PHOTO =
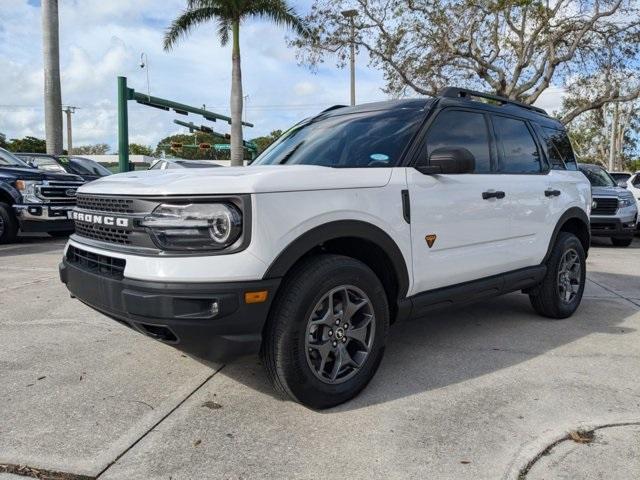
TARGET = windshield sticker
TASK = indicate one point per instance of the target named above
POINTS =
(381, 157)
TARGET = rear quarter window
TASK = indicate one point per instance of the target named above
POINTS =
(559, 149)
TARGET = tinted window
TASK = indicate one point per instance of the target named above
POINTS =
(9, 159)
(559, 148)
(636, 180)
(468, 130)
(519, 150)
(89, 167)
(620, 176)
(597, 176)
(367, 139)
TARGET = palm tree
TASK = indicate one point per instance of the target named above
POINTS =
(228, 14)
(52, 95)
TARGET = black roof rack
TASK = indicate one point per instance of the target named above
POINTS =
(454, 92)
(333, 107)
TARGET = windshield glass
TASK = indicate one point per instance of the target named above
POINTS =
(48, 164)
(362, 139)
(598, 177)
(88, 167)
(9, 159)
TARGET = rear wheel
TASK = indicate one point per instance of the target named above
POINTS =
(8, 224)
(326, 333)
(621, 242)
(560, 292)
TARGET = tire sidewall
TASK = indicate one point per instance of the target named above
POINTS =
(568, 242)
(302, 382)
(10, 224)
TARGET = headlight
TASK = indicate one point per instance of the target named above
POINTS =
(194, 226)
(27, 189)
(625, 202)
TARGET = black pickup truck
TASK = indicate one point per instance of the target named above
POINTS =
(32, 200)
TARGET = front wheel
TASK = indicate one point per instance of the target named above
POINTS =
(621, 242)
(560, 292)
(8, 224)
(326, 333)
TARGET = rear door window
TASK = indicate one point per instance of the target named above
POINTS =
(518, 150)
(464, 129)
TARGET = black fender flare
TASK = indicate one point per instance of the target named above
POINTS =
(10, 192)
(570, 214)
(341, 229)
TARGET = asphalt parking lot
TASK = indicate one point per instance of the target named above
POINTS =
(488, 391)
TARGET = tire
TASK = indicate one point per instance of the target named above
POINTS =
(300, 350)
(60, 233)
(621, 242)
(550, 298)
(8, 224)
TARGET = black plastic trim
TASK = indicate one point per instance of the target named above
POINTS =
(406, 206)
(572, 213)
(341, 229)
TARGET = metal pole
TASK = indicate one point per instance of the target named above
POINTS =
(123, 125)
(353, 62)
(69, 111)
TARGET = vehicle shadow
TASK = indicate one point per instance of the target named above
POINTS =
(458, 344)
(29, 245)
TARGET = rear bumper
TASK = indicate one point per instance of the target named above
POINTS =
(613, 227)
(179, 314)
(43, 217)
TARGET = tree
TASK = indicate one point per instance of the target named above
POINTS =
(3, 140)
(514, 48)
(228, 14)
(52, 93)
(97, 149)
(27, 145)
(263, 142)
(137, 149)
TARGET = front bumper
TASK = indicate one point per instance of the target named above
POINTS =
(618, 227)
(43, 217)
(179, 314)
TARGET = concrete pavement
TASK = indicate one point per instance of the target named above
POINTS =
(475, 392)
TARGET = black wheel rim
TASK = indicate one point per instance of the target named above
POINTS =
(569, 276)
(340, 333)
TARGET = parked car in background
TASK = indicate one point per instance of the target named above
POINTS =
(633, 185)
(33, 200)
(614, 212)
(88, 169)
(170, 163)
(621, 178)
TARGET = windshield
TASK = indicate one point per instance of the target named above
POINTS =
(88, 167)
(48, 164)
(598, 177)
(9, 159)
(362, 139)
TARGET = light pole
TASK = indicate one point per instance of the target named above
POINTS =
(69, 110)
(144, 63)
(351, 14)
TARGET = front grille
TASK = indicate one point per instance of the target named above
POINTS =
(105, 204)
(102, 233)
(96, 263)
(605, 206)
(59, 192)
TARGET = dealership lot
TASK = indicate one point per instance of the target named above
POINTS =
(475, 392)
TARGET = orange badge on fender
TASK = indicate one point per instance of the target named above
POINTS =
(431, 239)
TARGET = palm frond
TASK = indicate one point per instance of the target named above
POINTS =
(182, 25)
(280, 13)
(224, 26)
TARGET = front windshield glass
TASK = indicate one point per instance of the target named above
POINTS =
(89, 167)
(598, 177)
(361, 139)
(10, 160)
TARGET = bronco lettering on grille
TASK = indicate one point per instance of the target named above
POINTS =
(99, 219)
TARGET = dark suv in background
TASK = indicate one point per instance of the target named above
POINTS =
(33, 200)
(88, 169)
(614, 213)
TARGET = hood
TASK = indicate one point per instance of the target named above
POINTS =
(35, 174)
(230, 180)
(610, 192)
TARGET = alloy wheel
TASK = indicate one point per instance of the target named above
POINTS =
(340, 334)
(569, 276)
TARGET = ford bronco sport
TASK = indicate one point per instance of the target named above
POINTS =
(354, 219)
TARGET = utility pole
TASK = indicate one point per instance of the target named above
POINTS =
(52, 93)
(351, 14)
(69, 110)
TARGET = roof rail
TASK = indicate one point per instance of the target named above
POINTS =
(333, 107)
(455, 92)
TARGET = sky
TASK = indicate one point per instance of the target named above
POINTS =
(103, 39)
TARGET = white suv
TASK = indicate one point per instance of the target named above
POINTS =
(353, 220)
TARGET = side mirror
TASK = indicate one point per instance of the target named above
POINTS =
(449, 160)
(622, 183)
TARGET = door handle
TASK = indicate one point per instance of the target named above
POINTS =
(552, 193)
(492, 194)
